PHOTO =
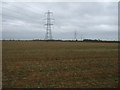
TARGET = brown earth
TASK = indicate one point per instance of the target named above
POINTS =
(35, 64)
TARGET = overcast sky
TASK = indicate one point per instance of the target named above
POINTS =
(91, 20)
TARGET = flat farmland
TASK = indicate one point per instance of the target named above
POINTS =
(40, 64)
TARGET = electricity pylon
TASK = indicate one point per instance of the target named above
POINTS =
(75, 36)
(48, 35)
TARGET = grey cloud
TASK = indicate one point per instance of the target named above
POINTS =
(90, 19)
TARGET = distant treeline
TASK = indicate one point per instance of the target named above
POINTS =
(84, 40)
(95, 40)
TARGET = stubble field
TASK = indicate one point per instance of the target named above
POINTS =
(39, 64)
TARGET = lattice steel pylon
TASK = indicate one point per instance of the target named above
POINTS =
(48, 35)
(75, 36)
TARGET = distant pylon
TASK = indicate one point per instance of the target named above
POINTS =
(48, 35)
(75, 36)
